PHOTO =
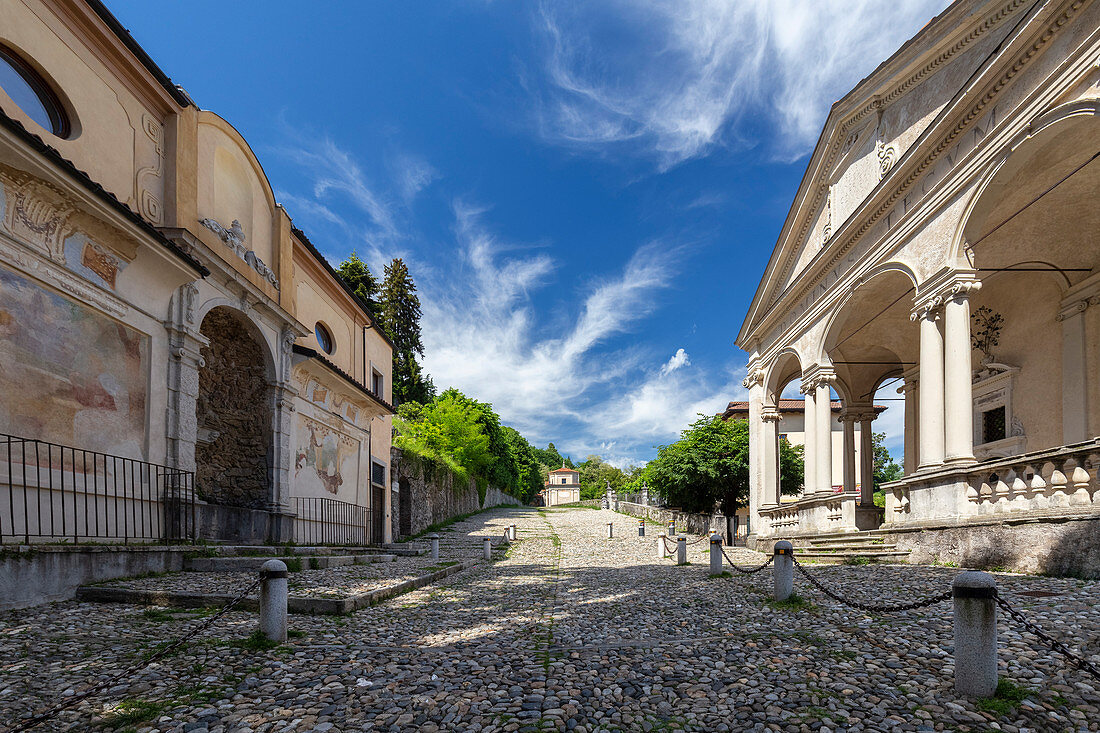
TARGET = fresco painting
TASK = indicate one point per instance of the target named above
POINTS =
(330, 456)
(68, 373)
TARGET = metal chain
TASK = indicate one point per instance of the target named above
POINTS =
(1077, 660)
(704, 537)
(933, 600)
(757, 569)
(155, 656)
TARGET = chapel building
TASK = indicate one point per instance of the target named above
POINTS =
(945, 233)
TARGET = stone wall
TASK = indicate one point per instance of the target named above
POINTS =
(434, 497)
(693, 523)
(234, 416)
(1055, 546)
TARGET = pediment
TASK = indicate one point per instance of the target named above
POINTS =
(870, 130)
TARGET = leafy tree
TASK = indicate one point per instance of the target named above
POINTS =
(529, 472)
(501, 471)
(399, 316)
(595, 476)
(551, 459)
(448, 432)
(355, 273)
(709, 467)
(885, 469)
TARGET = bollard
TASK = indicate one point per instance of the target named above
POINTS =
(681, 551)
(488, 549)
(273, 593)
(783, 570)
(610, 530)
(716, 554)
(662, 551)
(975, 601)
(671, 528)
(512, 532)
(435, 546)
(641, 528)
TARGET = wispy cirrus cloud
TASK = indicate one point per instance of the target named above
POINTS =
(675, 78)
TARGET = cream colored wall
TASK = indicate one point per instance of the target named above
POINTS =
(118, 139)
(793, 426)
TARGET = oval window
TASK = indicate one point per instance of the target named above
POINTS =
(324, 338)
(31, 93)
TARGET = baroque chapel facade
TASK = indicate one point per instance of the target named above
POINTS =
(176, 357)
(945, 235)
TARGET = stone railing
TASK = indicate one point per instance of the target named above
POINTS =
(1059, 480)
(817, 514)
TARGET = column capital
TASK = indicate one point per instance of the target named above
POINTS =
(770, 414)
(755, 377)
(928, 308)
(811, 380)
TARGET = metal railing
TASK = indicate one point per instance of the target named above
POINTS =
(52, 492)
(323, 521)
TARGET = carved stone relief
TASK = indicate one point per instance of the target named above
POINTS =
(149, 202)
(234, 238)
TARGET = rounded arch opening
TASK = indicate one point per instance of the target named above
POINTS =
(234, 408)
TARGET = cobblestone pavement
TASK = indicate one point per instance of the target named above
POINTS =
(569, 631)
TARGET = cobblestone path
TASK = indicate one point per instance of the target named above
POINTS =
(569, 631)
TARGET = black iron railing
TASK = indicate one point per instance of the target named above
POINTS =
(51, 492)
(330, 522)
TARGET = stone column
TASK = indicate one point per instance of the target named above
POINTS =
(909, 390)
(809, 426)
(282, 424)
(769, 439)
(823, 403)
(848, 420)
(931, 384)
(185, 360)
(958, 399)
(1075, 394)
(757, 476)
(866, 460)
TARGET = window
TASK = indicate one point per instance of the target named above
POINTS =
(993, 425)
(32, 94)
(324, 338)
(377, 473)
(376, 383)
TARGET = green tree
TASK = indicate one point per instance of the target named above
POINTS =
(355, 273)
(551, 458)
(708, 467)
(885, 469)
(529, 472)
(449, 432)
(596, 474)
(501, 471)
(399, 316)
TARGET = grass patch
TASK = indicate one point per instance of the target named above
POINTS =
(857, 560)
(314, 563)
(293, 564)
(440, 566)
(294, 634)
(1005, 699)
(723, 574)
(794, 602)
(134, 710)
(255, 642)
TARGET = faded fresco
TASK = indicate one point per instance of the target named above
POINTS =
(69, 374)
(325, 458)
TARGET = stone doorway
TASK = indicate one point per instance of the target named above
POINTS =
(234, 415)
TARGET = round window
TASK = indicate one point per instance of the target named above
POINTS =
(31, 93)
(324, 338)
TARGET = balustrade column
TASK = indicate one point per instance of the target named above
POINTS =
(866, 460)
(931, 385)
(824, 406)
(958, 398)
(809, 448)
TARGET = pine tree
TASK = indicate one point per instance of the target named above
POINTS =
(399, 316)
(359, 278)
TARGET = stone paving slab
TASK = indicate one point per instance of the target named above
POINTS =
(570, 631)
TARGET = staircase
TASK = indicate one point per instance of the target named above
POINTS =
(848, 548)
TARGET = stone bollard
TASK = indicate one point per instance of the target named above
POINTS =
(435, 546)
(671, 528)
(610, 530)
(273, 593)
(641, 528)
(783, 570)
(662, 550)
(716, 554)
(488, 549)
(681, 551)
(975, 633)
(512, 532)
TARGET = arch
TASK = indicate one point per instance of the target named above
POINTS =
(784, 367)
(833, 323)
(253, 328)
(233, 413)
(1015, 154)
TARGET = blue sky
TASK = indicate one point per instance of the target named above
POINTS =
(586, 192)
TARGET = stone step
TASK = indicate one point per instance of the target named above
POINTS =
(294, 563)
(282, 550)
(844, 539)
(838, 558)
(850, 547)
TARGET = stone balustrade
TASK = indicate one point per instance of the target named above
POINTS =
(1059, 480)
(816, 514)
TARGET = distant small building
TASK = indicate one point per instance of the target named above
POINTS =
(563, 487)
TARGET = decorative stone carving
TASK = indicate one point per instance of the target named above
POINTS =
(234, 238)
(886, 155)
(927, 309)
(754, 378)
(148, 203)
(36, 213)
(190, 295)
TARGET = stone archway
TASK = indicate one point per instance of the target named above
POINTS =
(234, 415)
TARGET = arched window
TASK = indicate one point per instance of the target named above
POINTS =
(324, 338)
(32, 94)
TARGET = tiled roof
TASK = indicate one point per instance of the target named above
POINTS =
(312, 354)
(563, 469)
